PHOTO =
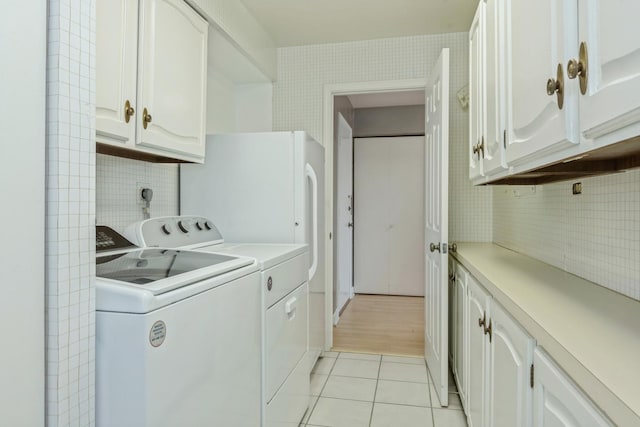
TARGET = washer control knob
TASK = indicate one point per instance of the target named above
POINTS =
(200, 225)
(269, 283)
(166, 229)
(183, 226)
(208, 225)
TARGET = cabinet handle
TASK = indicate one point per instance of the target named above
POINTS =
(504, 139)
(146, 118)
(128, 111)
(481, 148)
(487, 330)
(557, 86)
(483, 321)
(580, 68)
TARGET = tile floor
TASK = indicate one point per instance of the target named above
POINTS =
(354, 390)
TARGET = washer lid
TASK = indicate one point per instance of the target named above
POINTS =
(161, 270)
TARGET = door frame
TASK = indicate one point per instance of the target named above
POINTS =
(331, 91)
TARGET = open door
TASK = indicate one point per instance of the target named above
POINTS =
(344, 205)
(436, 224)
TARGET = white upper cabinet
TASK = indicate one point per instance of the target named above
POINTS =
(116, 56)
(544, 107)
(487, 88)
(476, 92)
(172, 65)
(151, 67)
(610, 103)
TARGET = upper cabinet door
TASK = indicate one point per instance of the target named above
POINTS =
(543, 37)
(493, 151)
(173, 71)
(612, 45)
(116, 56)
(476, 92)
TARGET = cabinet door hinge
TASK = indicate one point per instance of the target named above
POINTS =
(531, 376)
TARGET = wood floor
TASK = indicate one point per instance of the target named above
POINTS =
(382, 324)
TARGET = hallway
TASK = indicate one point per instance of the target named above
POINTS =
(381, 324)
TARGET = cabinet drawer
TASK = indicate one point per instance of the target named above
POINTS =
(286, 337)
(284, 278)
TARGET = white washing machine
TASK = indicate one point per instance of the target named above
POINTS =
(285, 294)
(178, 337)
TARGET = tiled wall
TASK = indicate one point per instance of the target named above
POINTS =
(298, 97)
(70, 212)
(594, 235)
(118, 201)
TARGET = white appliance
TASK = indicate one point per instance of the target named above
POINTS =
(267, 188)
(178, 337)
(285, 290)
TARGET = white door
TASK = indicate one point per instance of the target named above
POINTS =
(116, 58)
(613, 57)
(172, 66)
(344, 206)
(436, 224)
(388, 215)
(543, 37)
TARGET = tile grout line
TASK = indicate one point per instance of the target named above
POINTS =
(322, 388)
(375, 392)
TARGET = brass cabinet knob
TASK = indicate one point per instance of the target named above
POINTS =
(481, 148)
(128, 111)
(580, 68)
(146, 118)
(488, 330)
(483, 321)
(556, 86)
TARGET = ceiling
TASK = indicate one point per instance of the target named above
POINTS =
(303, 22)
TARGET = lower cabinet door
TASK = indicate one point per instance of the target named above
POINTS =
(478, 309)
(557, 402)
(461, 359)
(510, 360)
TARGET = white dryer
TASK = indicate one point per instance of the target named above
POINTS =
(178, 337)
(286, 360)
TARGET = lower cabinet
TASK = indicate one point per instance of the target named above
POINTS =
(503, 379)
(557, 402)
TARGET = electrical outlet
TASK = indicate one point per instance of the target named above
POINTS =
(576, 188)
(139, 187)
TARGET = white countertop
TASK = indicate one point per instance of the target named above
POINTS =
(591, 332)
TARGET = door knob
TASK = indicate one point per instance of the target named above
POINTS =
(350, 224)
(453, 247)
(433, 247)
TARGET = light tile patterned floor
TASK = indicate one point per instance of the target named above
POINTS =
(365, 390)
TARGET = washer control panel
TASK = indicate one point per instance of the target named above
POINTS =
(174, 231)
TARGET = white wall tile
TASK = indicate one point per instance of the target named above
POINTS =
(594, 235)
(118, 203)
(70, 234)
(298, 97)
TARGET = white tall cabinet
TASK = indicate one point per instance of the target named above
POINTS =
(151, 72)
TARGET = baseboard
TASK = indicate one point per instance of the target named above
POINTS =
(336, 317)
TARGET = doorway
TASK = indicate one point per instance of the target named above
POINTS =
(378, 222)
